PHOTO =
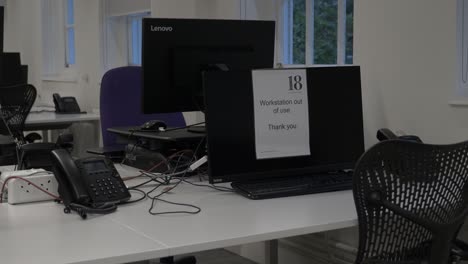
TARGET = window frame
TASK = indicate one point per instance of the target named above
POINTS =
(67, 27)
(285, 33)
(54, 64)
(462, 48)
(137, 17)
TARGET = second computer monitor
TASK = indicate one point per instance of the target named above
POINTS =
(175, 53)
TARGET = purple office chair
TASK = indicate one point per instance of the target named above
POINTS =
(121, 99)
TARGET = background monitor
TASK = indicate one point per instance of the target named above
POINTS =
(11, 70)
(336, 135)
(175, 52)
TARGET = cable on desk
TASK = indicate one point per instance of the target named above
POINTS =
(197, 209)
(173, 176)
(137, 200)
(152, 179)
(184, 172)
(167, 179)
(178, 162)
(212, 186)
(157, 165)
(133, 148)
(168, 189)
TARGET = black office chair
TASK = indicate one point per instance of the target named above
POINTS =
(411, 199)
(15, 104)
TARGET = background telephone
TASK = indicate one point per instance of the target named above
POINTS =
(88, 185)
(66, 105)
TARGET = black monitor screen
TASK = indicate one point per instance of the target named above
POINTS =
(336, 134)
(176, 52)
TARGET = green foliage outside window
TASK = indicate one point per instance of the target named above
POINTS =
(325, 31)
(299, 31)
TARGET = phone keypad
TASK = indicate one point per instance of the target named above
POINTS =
(108, 188)
(104, 182)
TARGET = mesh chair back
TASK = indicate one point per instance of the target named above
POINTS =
(411, 200)
(16, 102)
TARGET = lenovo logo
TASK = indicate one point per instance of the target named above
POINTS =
(161, 29)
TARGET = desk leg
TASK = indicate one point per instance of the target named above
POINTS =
(45, 136)
(97, 132)
(271, 252)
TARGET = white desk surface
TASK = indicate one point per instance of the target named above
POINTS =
(42, 233)
(229, 219)
(52, 117)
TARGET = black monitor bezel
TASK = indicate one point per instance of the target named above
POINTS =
(157, 91)
(307, 169)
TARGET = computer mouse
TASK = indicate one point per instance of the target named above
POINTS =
(154, 125)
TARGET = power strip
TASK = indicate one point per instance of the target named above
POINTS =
(18, 191)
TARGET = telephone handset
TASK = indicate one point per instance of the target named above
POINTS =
(88, 185)
(66, 104)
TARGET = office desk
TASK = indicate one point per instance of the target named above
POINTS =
(170, 136)
(42, 233)
(132, 234)
(228, 219)
(52, 120)
(47, 121)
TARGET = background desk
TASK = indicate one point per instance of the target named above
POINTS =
(52, 120)
(172, 136)
(47, 121)
(42, 233)
(158, 141)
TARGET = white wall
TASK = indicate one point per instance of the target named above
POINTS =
(261, 9)
(88, 59)
(226, 9)
(407, 54)
(173, 8)
(86, 85)
(407, 51)
(23, 34)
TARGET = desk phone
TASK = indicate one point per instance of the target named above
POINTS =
(88, 185)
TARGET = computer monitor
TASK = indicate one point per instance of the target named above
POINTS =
(175, 52)
(11, 70)
(336, 136)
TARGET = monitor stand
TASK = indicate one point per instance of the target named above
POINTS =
(197, 129)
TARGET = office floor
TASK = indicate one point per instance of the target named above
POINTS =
(218, 256)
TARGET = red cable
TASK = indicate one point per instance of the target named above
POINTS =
(23, 179)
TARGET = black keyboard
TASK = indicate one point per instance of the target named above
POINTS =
(281, 187)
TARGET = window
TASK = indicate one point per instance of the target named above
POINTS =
(462, 44)
(69, 33)
(122, 39)
(122, 32)
(58, 38)
(316, 31)
(135, 38)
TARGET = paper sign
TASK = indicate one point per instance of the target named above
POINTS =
(281, 112)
